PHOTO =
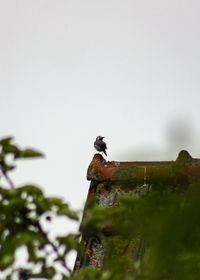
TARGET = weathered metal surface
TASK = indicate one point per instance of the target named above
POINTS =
(109, 180)
(101, 170)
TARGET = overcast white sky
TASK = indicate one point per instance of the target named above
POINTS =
(73, 70)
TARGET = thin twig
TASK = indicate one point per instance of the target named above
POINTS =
(8, 179)
(54, 247)
(56, 250)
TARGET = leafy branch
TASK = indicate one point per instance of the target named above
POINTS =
(21, 213)
(8, 148)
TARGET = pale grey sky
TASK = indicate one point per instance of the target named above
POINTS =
(71, 70)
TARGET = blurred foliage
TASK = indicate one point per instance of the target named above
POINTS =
(167, 221)
(21, 213)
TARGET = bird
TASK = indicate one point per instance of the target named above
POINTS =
(100, 145)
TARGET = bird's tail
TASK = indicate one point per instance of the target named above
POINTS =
(105, 152)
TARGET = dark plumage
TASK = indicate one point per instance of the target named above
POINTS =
(100, 145)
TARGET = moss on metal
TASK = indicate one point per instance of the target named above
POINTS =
(110, 180)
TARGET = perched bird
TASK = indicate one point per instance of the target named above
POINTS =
(100, 145)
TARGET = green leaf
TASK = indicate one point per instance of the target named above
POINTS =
(46, 272)
(29, 153)
(41, 203)
(52, 201)
(31, 190)
(6, 260)
(8, 193)
(90, 273)
(70, 241)
(32, 253)
(5, 141)
(11, 244)
(15, 204)
(63, 208)
(9, 148)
